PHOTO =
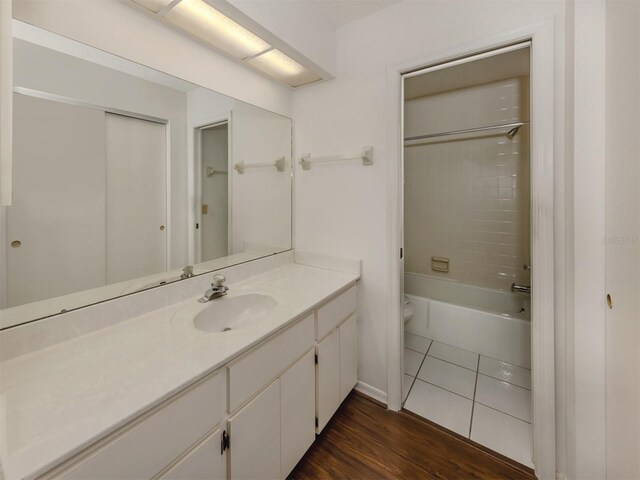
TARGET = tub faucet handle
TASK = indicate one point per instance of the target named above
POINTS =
(520, 288)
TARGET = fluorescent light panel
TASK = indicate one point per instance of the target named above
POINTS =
(284, 68)
(200, 19)
(208, 24)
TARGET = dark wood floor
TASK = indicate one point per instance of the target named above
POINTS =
(366, 441)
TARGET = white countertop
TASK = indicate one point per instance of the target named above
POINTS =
(56, 401)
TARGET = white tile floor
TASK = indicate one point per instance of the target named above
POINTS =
(482, 398)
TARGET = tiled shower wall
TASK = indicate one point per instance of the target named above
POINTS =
(467, 196)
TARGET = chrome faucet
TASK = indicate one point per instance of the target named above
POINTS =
(520, 288)
(187, 272)
(218, 289)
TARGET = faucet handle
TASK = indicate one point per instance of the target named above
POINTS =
(218, 280)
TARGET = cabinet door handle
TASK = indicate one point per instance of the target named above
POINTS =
(224, 443)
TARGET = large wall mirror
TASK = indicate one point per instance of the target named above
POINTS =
(123, 176)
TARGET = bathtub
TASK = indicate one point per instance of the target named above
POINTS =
(490, 322)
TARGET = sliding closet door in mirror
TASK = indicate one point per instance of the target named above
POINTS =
(123, 176)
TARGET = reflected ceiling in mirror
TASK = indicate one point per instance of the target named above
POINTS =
(123, 176)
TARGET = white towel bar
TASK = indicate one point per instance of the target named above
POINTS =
(241, 166)
(366, 155)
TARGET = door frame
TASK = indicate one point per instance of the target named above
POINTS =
(197, 183)
(543, 213)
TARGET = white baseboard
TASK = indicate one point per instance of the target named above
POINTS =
(372, 392)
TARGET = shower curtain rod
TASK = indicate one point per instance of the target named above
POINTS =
(514, 129)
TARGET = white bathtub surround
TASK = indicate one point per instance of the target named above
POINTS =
(468, 200)
(471, 318)
(57, 400)
(463, 294)
(467, 393)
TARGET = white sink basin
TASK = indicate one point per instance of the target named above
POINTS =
(234, 312)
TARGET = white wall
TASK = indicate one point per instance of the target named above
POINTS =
(114, 26)
(347, 202)
(261, 197)
(341, 209)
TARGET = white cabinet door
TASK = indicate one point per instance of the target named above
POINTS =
(298, 411)
(255, 437)
(255, 370)
(348, 356)
(328, 378)
(622, 215)
(206, 462)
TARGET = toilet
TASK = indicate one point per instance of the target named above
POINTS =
(407, 309)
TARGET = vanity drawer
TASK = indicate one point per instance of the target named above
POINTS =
(146, 448)
(337, 310)
(260, 366)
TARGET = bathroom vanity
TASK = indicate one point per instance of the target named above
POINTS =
(158, 396)
(109, 365)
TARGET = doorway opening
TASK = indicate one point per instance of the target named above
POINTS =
(212, 204)
(467, 248)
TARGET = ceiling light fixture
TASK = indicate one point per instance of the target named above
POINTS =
(201, 20)
(208, 24)
(284, 68)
